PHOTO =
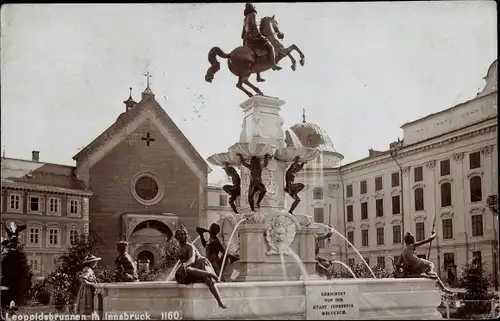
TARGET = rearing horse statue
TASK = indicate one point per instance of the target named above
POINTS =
(244, 61)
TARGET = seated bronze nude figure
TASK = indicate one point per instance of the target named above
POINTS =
(125, 267)
(194, 267)
(409, 265)
(256, 184)
(214, 248)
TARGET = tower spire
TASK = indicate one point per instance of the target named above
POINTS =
(303, 115)
(129, 103)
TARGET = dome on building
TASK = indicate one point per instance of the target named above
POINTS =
(310, 135)
(491, 79)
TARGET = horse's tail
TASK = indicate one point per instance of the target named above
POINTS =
(214, 64)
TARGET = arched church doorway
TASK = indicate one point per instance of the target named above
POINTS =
(147, 241)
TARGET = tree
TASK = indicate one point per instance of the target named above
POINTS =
(16, 276)
(476, 298)
(63, 282)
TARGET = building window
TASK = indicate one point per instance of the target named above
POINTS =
(395, 179)
(222, 199)
(54, 236)
(449, 259)
(419, 199)
(319, 216)
(348, 190)
(477, 255)
(444, 167)
(350, 213)
(15, 202)
(445, 194)
(364, 237)
(380, 235)
(34, 236)
(378, 184)
(35, 264)
(73, 236)
(35, 204)
(363, 187)
(420, 231)
(146, 188)
(381, 262)
(318, 193)
(54, 206)
(396, 205)
(418, 174)
(476, 193)
(379, 207)
(74, 207)
(364, 210)
(474, 160)
(447, 228)
(477, 225)
(396, 234)
(350, 237)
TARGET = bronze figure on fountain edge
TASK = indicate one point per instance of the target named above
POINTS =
(293, 189)
(194, 267)
(322, 264)
(125, 267)
(233, 190)
(214, 248)
(409, 265)
(256, 184)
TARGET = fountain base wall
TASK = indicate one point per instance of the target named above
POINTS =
(378, 299)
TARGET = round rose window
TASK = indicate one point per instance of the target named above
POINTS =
(146, 188)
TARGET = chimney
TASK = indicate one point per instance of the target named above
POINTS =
(35, 155)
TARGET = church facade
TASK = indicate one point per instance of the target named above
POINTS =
(139, 181)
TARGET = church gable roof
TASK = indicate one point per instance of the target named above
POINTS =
(145, 105)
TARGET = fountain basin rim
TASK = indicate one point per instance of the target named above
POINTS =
(252, 149)
(173, 284)
(288, 154)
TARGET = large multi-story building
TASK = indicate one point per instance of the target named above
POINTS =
(50, 201)
(438, 176)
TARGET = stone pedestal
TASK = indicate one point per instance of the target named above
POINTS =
(262, 122)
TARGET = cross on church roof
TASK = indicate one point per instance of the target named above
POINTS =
(148, 75)
(303, 115)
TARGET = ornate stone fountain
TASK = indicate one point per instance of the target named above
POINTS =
(270, 231)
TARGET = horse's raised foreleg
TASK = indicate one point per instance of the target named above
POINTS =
(294, 62)
(302, 57)
(239, 85)
(257, 90)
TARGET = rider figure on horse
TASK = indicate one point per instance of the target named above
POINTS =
(252, 37)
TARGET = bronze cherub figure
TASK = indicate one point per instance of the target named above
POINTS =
(235, 189)
(256, 184)
(293, 189)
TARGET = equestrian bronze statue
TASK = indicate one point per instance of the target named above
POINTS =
(261, 51)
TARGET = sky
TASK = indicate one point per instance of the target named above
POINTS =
(370, 67)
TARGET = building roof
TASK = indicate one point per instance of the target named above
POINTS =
(39, 173)
(148, 101)
(490, 86)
